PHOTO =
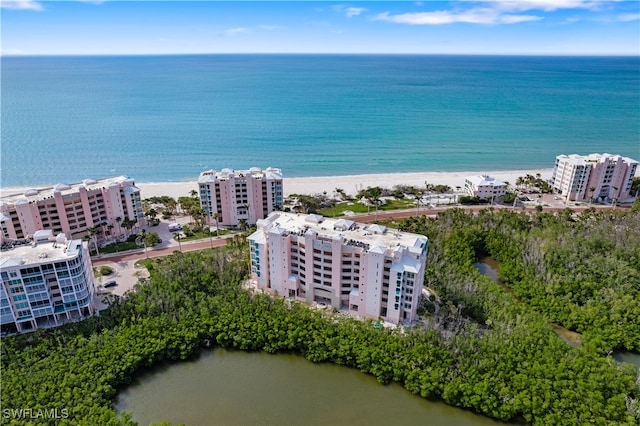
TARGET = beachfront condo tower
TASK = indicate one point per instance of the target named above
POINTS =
(46, 280)
(108, 205)
(232, 197)
(595, 177)
(366, 270)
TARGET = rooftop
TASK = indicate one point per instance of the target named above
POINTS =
(484, 180)
(41, 193)
(254, 172)
(593, 158)
(27, 252)
(370, 237)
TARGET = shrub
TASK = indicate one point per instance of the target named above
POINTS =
(106, 270)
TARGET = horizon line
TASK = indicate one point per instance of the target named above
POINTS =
(631, 55)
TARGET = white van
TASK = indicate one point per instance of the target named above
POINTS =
(175, 227)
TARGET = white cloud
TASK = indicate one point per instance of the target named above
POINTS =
(485, 16)
(515, 19)
(353, 11)
(235, 31)
(270, 27)
(92, 1)
(21, 5)
(12, 52)
(546, 5)
(348, 11)
(627, 17)
(490, 12)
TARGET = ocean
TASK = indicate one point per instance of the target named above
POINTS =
(167, 118)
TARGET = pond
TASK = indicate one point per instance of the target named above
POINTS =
(488, 266)
(255, 388)
(630, 357)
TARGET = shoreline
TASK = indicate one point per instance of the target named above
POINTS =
(351, 184)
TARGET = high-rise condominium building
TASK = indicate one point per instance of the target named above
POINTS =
(598, 177)
(45, 280)
(230, 196)
(72, 209)
(367, 270)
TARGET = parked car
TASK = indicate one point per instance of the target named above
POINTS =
(175, 227)
(110, 284)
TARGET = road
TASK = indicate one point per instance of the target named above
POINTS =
(367, 218)
(132, 256)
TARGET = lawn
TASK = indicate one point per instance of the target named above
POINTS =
(118, 247)
(359, 208)
(204, 234)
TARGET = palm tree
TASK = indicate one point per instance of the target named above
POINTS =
(129, 224)
(194, 193)
(93, 232)
(243, 225)
(373, 195)
(141, 241)
(171, 205)
(110, 229)
(195, 212)
(591, 190)
(152, 214)
(246, 207)
(215, 217)
(418, 194)
(176, 236)
(118, 220)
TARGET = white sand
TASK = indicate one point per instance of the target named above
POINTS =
(350, 184)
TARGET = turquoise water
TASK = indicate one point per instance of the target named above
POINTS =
(166, 118)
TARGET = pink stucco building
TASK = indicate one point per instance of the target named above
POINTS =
(601, 177)
(235, 195)
(364, 269)
(71, 208)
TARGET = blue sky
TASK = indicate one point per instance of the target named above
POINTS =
(524, 27)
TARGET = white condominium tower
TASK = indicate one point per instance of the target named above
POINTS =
(235, 195)
(603, 177)
(366, 270)
(485, 187)
(71, 209)
(45, 280)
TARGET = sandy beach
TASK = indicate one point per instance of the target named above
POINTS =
(317, 185)
(350, 184)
